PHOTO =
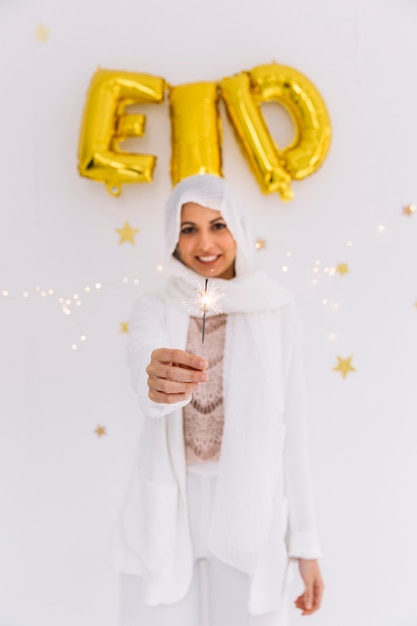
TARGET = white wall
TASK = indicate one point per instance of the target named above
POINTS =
(61, 485)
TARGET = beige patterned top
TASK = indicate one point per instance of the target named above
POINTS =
(203, 416)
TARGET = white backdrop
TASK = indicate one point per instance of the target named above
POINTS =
(61, 484)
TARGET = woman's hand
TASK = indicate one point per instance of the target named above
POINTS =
(310, 600)
(174, 374)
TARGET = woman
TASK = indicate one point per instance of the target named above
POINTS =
(220, 498)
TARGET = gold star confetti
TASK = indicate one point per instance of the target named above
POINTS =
(344, 366)
(342, 268)
(42, 33)
(260, 244)
(124, 327)
(100, 431)
(127, 233)
(409, 209)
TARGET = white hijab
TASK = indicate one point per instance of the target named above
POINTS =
(250, 291)
(251, 457)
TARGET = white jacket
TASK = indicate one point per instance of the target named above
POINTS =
(153, 538)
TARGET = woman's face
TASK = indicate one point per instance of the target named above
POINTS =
(206, 244)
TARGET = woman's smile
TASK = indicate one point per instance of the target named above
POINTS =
(208, 259)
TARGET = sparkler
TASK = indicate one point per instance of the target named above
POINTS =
(206, 301)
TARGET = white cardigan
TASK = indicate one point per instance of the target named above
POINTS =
(153, 538)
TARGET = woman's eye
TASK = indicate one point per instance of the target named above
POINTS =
(187, 230)
(219, 226)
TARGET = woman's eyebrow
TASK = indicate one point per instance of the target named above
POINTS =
(216, 219)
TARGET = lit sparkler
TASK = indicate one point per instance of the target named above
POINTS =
(206, 301)
(203, 329)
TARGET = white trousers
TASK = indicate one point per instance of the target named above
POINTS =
(218, 595)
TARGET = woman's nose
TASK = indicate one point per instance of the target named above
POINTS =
(204, 240)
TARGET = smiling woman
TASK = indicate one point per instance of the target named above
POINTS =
(220, 499)
(205, 244)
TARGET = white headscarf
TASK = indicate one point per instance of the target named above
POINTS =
(251, 457)
(214, 193)
(250, 291)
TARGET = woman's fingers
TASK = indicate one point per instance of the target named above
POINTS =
(308, 603)
(301, 603)
(168, 386)
(180, 374)
(180, 358)
(158, 396)
(174, 374)
(177, 365)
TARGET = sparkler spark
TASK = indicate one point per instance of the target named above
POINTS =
(206, 299)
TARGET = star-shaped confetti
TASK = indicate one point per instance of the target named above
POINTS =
(344, 366)
(409, 209)
(100, 431)
(124, 327)
(42, 33)
(127, 233)
(342, 269)
(260, 244)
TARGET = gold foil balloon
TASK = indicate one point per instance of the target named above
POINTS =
(105, 125)
(308, 111)
(251, 129)
(275, 167)
(195, 131)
